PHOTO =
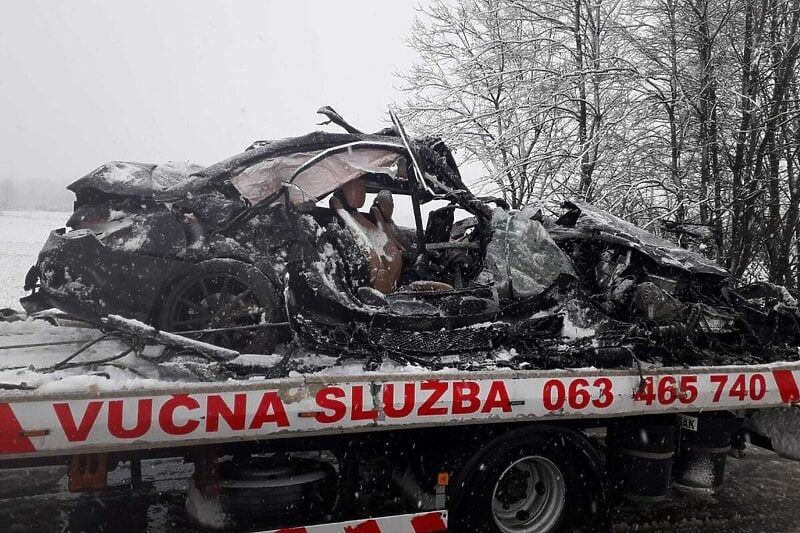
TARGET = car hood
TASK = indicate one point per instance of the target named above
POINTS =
(585, 221)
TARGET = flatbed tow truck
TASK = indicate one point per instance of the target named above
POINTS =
(465, 435)
(504, 372)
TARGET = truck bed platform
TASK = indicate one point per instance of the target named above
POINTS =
(132, 403)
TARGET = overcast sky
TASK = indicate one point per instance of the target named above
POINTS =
(84, 82)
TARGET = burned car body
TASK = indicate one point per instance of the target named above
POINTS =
(586, 288)
(182, 247)
(224, 251)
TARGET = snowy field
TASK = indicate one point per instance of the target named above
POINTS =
(22, 234)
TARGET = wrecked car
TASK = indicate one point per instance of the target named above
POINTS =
(189, 248)
(584, 288)
(283, 233)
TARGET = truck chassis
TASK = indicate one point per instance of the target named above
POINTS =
(92, 430)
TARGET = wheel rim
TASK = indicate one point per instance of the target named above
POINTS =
(529, 496)
(213, 301)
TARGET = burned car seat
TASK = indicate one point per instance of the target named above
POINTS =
(383, 251)
(382, 211)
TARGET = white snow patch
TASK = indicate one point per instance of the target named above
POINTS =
(370, 239)
(573, 331)
(252, 359)
(205, 511)
(22, 234)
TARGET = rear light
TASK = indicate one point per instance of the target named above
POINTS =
(88, 216)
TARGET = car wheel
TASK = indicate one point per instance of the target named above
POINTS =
(223, 302)
(531, 480)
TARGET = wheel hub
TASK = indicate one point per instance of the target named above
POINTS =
(529, 496)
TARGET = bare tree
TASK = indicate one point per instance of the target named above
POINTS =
(664, 111)
(483, 82)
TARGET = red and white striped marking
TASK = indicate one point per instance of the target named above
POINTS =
(432, 522)
(787, 386)
(89, 423)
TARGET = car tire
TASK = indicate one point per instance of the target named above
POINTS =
(219, 294)
(533, 479)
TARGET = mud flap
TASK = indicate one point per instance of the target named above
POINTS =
(88, 472)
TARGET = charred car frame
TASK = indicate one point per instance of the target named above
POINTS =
(221, 252)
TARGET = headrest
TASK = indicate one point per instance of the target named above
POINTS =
(354, 194)
(385, 204)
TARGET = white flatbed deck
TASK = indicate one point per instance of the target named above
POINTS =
(130, 406)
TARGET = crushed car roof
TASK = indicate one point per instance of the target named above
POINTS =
(126, 178)
(174, 180)
(311, 175)
(434, 156)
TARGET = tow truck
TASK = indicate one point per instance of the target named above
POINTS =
(481, 450)
(498, 371)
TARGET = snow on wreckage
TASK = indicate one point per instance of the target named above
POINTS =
(223, 253)
(269, 265)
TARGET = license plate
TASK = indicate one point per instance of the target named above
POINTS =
(688, 422)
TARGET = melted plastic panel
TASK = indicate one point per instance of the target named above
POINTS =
(267, 177)
(337, 169)
(522, 256)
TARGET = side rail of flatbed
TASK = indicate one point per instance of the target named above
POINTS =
(34, 424)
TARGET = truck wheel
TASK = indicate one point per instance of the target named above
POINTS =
(220, 294)
(533, 479)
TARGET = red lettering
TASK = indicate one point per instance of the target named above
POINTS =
(166, 416)
(739, 389)
(497, 398)
(720, 380)
(408, 400)
(554, 395)
(330, 398)
(606, 397)
(667, 392)
(437, 389)
(358, 406)
(645, 393)
(465, 397)
(758, 386)
(77, 432)
(216, 408)
(578, 397)
(144, 419)
(270, 411)
(688, 388)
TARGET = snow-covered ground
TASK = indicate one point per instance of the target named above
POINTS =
(22, 234)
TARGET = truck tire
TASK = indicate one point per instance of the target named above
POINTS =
(532, 479)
